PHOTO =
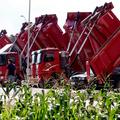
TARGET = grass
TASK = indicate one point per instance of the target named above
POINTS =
(62, 104)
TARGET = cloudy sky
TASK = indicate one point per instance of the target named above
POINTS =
(12, 10)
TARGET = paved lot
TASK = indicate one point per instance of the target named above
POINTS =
(34, 90)
(12, 95)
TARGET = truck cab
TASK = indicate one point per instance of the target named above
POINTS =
(48, 63)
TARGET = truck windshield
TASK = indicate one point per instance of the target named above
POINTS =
(34, 58)
(39, 58)
(2, 60)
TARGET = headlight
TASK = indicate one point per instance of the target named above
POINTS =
(0, 72)
(36, 69)
(2, 77)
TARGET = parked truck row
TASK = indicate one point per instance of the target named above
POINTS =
(90, 43)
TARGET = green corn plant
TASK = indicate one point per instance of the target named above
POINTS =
(62, 104)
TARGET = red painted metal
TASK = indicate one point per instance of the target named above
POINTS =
(107, 58)
(104, 23)
(77, 17)
(50, 35)
(47, 69)
(88, 70)
(100, 27)
(4, 40)
(97, 35)
(45, 33)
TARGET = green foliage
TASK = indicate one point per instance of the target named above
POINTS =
(62, 104)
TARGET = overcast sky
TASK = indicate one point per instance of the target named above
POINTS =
(11, 10)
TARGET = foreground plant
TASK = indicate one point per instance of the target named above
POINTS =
(62, 104)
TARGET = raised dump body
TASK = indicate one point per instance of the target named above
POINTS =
(106, 50)
(108, 57)
(96, 31)
(86, 33)
(73, 29)
(4, 39)
(44, 33)
(50, 30)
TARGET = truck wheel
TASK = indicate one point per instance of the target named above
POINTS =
(56, 79)
(41, 84)
(55, 75)
(18, 79)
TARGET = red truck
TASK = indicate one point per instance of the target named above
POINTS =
(88, 37)
(54, 67)
(5, 54)
(44, 33)
(90, 43)
(104, 39)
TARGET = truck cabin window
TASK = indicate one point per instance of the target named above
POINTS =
(3, 60)
(34, 58)
(49, 57)
(12, 58)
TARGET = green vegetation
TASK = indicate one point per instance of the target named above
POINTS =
(61, 104)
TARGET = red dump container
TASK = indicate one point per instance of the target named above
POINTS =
(4, 40)
(105, 23)
(108, 57)
(44, 33)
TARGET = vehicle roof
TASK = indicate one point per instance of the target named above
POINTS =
(5, 48)
(4, 53)
(46, 49)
